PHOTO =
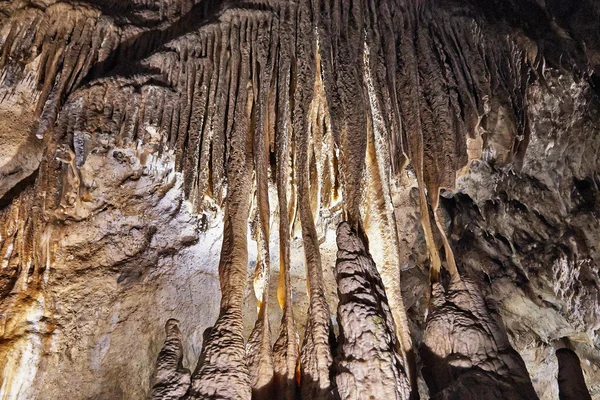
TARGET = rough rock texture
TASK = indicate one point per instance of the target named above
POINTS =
(465, 350)
(538, 227)
(171, 381)
(105, 277)
(367, 364)
(315, 354)
(222, 370)
(139, 137)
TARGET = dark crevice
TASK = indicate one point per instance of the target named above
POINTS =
(16, 190)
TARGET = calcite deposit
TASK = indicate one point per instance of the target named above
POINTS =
(310, 199)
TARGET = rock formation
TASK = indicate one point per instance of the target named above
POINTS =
(368, 364)
(465, 351)
(171, 380)
(188, 160)
(571, 382)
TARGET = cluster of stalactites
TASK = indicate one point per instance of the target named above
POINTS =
(427, 79)
(327, 99)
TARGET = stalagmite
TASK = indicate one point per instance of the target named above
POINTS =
(465, 351)
(455, 139)
(571, 383)
(170, 381)
(368, 364)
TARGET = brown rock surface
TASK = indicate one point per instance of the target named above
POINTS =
(170, 381)
(367, 364)
(139, 137)
(465, 350)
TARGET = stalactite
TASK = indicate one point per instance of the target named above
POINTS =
(202, 182)
(409, 93)
(187, 82)
(223, 372)
(218, 144)
(16, 251)
(315, 355)
(381, 221)
(350, 117)
(368, 364)
(198, 141)
(26, 254)
(66, 46)
(260, 356)
(346, 94)
(387, 36)
(286, 348)
(442, 152)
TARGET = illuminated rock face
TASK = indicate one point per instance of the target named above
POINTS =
(414, 182)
